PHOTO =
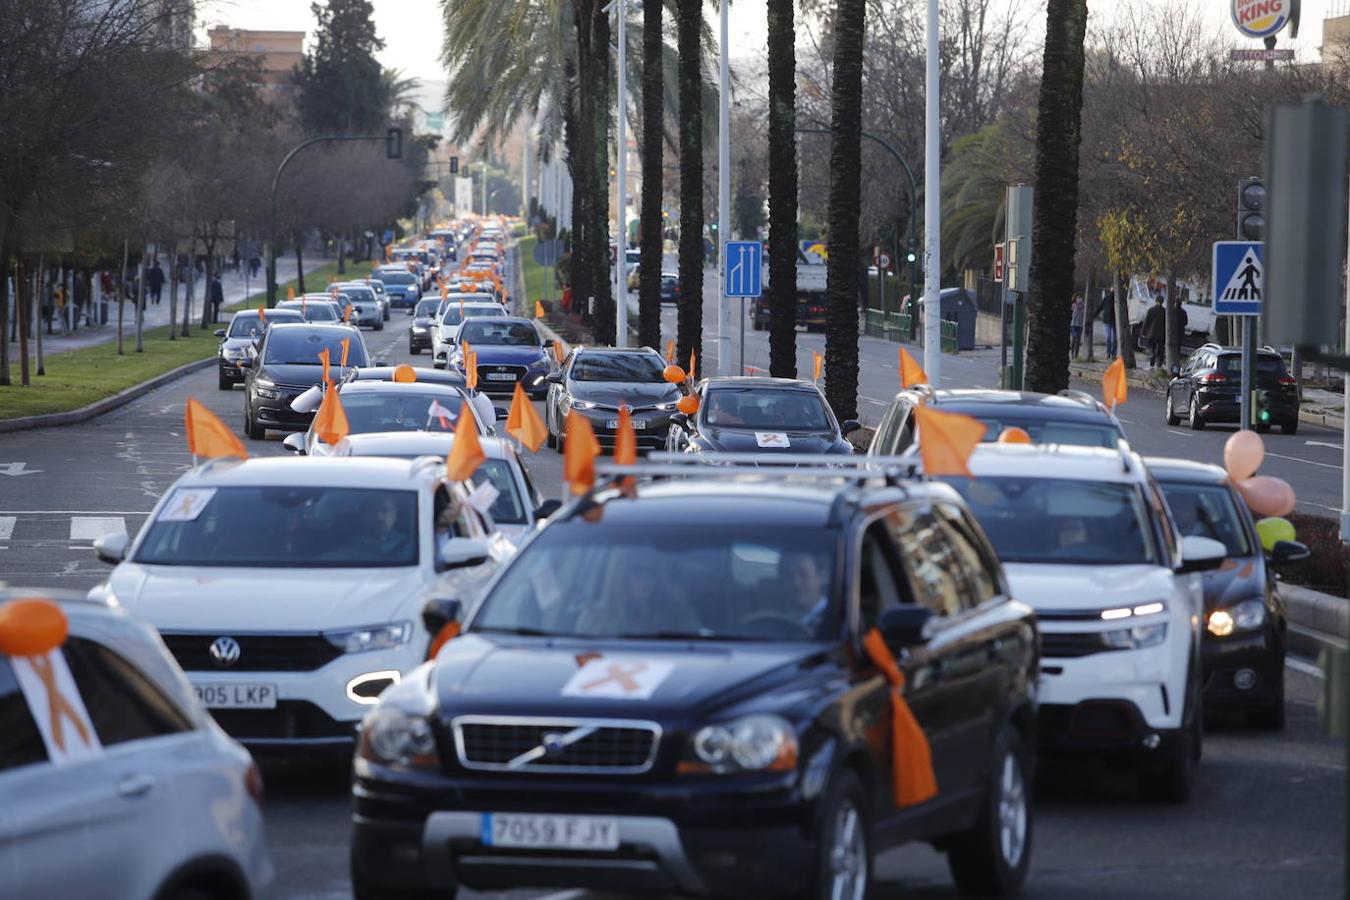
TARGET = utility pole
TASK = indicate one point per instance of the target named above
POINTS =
(932, 213)
(724, 195)
(621, 172)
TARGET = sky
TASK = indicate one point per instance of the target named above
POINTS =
(411, 28)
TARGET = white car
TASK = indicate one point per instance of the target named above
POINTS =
(453, 316)
(517, 507)
(292, 591)
(158, 801)
(1087, 540)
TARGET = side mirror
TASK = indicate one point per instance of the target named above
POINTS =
(1200, 554)
(850, 426)
(295, 442)
(501, 412)
(220, 332)
(554, 378)
(112, 548)
(1286, 553)
(905, 626)
(548, 342)
(461, 553)
(547, 508)
(440, 612)
(680, 419)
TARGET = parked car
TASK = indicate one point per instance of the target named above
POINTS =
(596, 381)
(760, 415)
(670, 287)
(239, 343)
(1209, 389)
(288, 364)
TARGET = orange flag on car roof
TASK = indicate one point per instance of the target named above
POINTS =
(1115, 390)
(445, 291)
(946, 440)
(538, 310)
(911, 373)
(207, 436)
(670, 351)
(330, 422)
(346, 348)
(324, 360)
(466, 454)
(693, 358)
(558, 352)
(817, 363)
(523, 422)
(290, 292)
(912, 778)
(579, 452)
(262, 312)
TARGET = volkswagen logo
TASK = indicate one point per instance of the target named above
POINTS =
(225, 652)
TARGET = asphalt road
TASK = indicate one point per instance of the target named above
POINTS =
(1267, 819)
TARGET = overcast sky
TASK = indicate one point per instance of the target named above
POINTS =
(412, 33)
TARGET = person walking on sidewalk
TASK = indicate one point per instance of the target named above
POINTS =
(1107, 313)
(1154, 331)
(154, 282)
(215, 295)
(1075, 324)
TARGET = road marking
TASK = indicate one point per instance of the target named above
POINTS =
(7, 527)
(16, 469)
(1299, 665)
(874, 400)
(1296, 459)
(76, 512)
(91, 528)
(1323, 444)
(1184, 434)
(1124, 420)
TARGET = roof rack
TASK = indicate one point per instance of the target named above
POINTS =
(1080, 396)
(769, 466)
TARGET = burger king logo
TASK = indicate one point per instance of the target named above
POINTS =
(1261, 18)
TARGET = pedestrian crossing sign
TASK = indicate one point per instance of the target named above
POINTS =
(1239, 277)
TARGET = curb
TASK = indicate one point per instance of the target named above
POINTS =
(99, 407)
(1316, 621)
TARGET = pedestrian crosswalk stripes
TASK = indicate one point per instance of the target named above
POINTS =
(20, 530)
(91, 528)
(7, 526)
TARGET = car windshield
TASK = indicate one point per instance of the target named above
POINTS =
(1077, 434)
(766, 408)
(427, 308)
(1266, 364)
(397, 277)
(1051, 520)
(244, 325)
(371, 411)
(313, 312)
(284, 526)
(359, 295)
(638, 368)
(451, 314)
(301, 347)
(510, 334)
(1207, 510)
(597, 580)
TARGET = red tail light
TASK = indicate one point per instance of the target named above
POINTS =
(1213, 379)
(1288, 380)
(253, 783)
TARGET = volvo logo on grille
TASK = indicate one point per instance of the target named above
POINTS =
(554, 744)
(225, 652)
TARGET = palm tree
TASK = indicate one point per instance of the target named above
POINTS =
(782, 190)
(590, 250)
(1055, 212)
(841, 322)
(688, 28)
(653, 134)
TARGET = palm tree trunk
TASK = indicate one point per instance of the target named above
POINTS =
(653, 134)
(574, 137)
(597, 87)
(299, 265)
(173, 290)
(1055, 213)
(782, 191)
(841, 323)
(689, 324)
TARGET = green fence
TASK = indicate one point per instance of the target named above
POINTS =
(949, 339)
(894, 326)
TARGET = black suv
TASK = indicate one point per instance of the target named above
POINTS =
(1209, 389)
(671, 688)
(596, 381)
(1069, 417)
(740, 414)
(424, 320)
(286, 366)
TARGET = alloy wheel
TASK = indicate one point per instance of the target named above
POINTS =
(848, 855)
(1012, 812)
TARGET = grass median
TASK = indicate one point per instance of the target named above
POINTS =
(538, 279)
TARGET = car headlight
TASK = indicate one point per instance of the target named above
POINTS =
(379, 637)
(1139, 637)
(582, 404)
(235, 353)
(265, 389)
(667, 407)
(754, 743)
(419, 329)
(392, 737)
(1247, 615)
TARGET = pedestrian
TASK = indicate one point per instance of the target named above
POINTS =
(1076, 309)
(215, 295)
(1154, 331)
(234, 258)
(154, 281)
(79, 293)
(1107, 313)
(254, 264)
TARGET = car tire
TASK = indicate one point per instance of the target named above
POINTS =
(1289, 427)
(224, 382)
(1194, 418)
(1171, 778)
(1262, 427)
(385, 315)
(992, 857)
(253, 430)
(414, 351)
(1172, 417)
(843, 864)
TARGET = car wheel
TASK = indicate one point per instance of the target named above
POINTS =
(385, 316)
(552, 439)
(1171, 778)
(379, 325)
(254, 431)
(1172, 417)
(414, 351)
(1262, 427)
(1194, 419)
(225, 383)
(992, 857)
(843, 869)
(1290, 427)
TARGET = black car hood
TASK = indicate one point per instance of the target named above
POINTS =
(613, 393)
(509, 675)
(1239, 578)
(304, 376)
(736, 440)
(423, 320)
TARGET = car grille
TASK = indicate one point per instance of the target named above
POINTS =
(257, 652)
(520, 744)
(631, 407)
(291, 720)
(1071, 644)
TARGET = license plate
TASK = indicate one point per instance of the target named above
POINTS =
(237, 696)
(545, 831)
(638, 424)
(500, 376)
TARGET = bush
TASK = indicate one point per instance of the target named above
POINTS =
(1327, 568)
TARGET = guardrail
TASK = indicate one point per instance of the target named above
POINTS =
(895, 326)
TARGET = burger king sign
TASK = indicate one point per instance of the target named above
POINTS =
(1261, 18)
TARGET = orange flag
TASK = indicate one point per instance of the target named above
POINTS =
(347, 314)
(330, 422)
(262, 312)
(1114, 388)
(693, 358)
(445, 291)
(670, 351)
(946, 441)
(466, 455)
(817, 363)
(523, 422)
(207, 436)
(290, 292)
(626, 447)
(470, 366)
(449, 631)
(558, 352)
(324, 361)
(346, 348)
(911, 373)
(912, 778)
(579, 453)
(538, 310)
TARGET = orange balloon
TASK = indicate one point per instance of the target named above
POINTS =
(1267, 496)
(405, 374)
(1014, 435)
(687, 405)
(673, 374)
(31, 626)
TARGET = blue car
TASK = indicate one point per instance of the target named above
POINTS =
(509, 351)
(399, 284)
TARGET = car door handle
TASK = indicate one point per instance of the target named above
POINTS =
(135, 785)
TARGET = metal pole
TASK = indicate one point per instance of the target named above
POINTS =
(723, 194)
(1248, 341)
(621, 171)
(932, 213)
(742, 371)
(1345, 440)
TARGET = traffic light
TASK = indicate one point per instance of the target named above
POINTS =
(454, 165)
(1251, 210)
(911, 257)
(1260, 407)
(393, 143)
(713, 226)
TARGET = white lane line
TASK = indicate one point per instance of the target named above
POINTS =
(874, 400)
(1322, 444)
(1296, 459)
(7, 527)
(91, 528)
(564, 895)
(1299, 665)
(76, 512)
(1184, 434)
(1124, 420)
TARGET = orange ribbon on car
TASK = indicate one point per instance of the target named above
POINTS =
(449, 631)
(912, 778)
(58, 707)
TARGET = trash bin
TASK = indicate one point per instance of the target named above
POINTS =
(959, 306)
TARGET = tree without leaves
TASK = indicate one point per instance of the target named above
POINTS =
(782, 190)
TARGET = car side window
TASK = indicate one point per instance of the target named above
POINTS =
(880, 576)
(930, 559)
(971, 562)
(905, 440)
(123, 704)
(451, 517)
(20, 741)
(887, 430)
(1163, 517)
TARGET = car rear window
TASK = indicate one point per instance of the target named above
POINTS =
(1266, 364)
(301, 347)
(397, 277)
(1077, 434)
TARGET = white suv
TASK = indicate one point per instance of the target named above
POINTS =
(452, 317)
(1087, 540)
(292, 591)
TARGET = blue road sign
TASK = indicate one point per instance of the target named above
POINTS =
(744, 268)
(1239, 277)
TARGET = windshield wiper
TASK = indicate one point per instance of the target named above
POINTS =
(525, 631)
(703, 634)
